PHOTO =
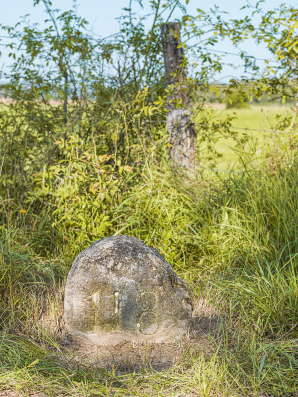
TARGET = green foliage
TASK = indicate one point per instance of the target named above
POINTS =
(84, 156)
(236, 98)
(233, 237)
(238, 105)
(83, 189)
(23, 273)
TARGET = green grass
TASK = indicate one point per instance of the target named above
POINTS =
(232, 236)
(258, 117)
(257, 122)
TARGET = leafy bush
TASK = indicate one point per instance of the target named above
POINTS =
(237, 104)
(237, 99)
(84, 155)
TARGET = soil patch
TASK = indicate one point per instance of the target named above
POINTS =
(129, 356)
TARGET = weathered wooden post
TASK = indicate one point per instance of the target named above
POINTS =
(179, 126)
(65, 96)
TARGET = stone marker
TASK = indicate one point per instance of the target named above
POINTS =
(119, 288)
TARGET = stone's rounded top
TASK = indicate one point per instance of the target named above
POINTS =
(121, 248)
(120, 288)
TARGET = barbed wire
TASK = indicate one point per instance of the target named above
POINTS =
(213, 125)
(239, 55)
(37, 83)
(129, 41)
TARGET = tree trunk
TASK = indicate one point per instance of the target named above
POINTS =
(179, 126)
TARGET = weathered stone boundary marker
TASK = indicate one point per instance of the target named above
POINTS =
(121, 289)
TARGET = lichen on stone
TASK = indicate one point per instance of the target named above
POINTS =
(119, 288)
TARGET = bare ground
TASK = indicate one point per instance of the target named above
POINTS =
(130, 356)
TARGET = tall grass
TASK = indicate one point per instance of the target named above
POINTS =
(233, 236)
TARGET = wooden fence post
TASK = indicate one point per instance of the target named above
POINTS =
(179, 126)
(65, 96)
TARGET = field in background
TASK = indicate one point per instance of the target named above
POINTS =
(259, 122)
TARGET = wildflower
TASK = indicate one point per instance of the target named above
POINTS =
(23, 212)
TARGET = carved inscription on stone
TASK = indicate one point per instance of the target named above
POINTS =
(106, 308)
(147, 300)
(119, 288)
(148, 321)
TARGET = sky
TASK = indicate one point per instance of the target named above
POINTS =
(102, 15)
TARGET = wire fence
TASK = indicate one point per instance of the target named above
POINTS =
(206, 84)
(79, 119)
(103, 41)
(120, 39)
(128, 41)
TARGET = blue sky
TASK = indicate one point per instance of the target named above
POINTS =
(102, 15)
